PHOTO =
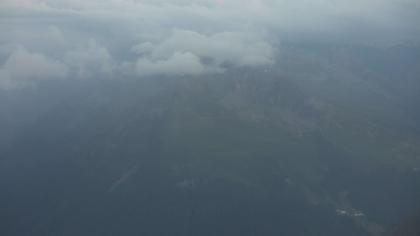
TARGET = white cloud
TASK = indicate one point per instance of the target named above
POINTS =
(90, 61)
(185, 50)
(226, 47)
(180, 63)
(23, 65)
(203, 34)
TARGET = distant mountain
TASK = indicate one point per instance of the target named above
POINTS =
(325, 142)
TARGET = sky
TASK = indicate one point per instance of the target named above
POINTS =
(64, 39)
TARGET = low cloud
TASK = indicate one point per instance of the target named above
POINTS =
(23, 66)
(198, 53)
(180, 63)
(149, 37)
(90, 61)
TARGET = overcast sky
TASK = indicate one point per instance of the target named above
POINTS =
(59, 39)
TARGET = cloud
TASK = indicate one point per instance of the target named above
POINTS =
(237, 49)
(198, 36)
(225, 47)
(93, 60)
(23, 65)
(5, 80)
(180, 63)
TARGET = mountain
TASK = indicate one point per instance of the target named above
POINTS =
(325, 142)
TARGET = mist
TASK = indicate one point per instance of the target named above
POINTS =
(209, 117)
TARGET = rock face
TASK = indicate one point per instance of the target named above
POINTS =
(248, 152)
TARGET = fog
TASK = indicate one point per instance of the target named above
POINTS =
(209, 117)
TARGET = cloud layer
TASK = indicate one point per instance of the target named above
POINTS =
(46, 39)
